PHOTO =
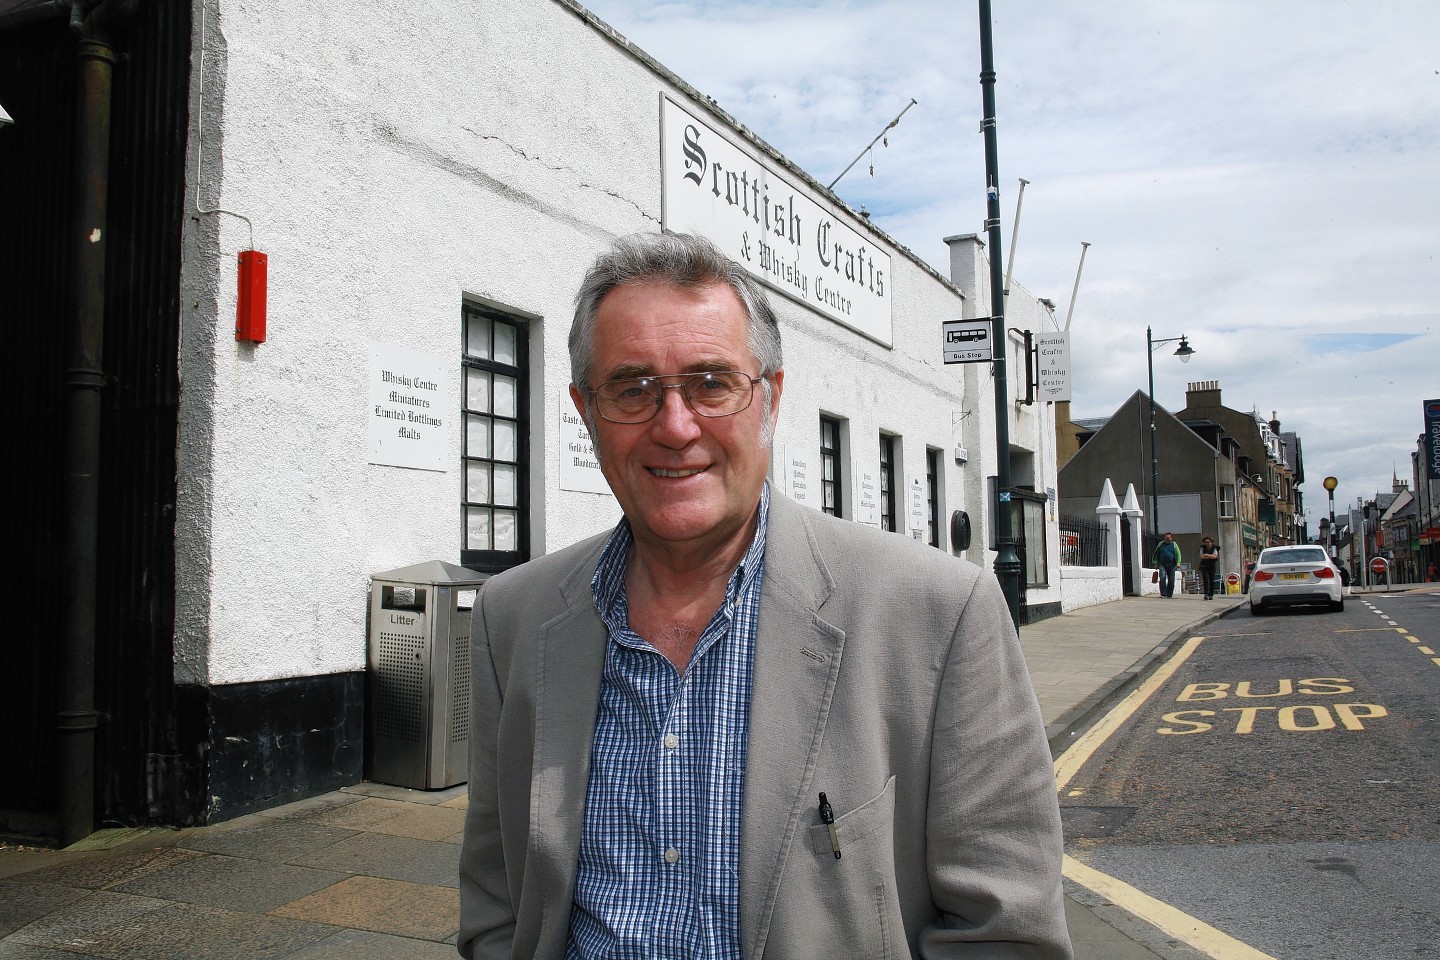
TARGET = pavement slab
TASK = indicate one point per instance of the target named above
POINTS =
(180, 932)
(265, 838)
(350, 944)
(415, 910)
(21, 903)
(102, 871)
(434, 862)
(394, 817)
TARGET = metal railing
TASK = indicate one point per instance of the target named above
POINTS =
(1083, 543)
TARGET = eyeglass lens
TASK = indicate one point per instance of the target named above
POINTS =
(710, 394)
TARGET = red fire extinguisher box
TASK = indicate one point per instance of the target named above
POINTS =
(250, 303)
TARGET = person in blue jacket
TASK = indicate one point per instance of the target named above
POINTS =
(1166, 559)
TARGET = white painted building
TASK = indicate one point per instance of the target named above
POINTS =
(428, 185)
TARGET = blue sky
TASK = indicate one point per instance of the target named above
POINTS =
(1261, 177)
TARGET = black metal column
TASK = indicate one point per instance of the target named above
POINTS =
(1007, 560)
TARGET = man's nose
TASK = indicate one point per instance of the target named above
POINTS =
(675, 423)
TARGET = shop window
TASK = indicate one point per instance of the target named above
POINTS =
(495, 448)
(1027, 521)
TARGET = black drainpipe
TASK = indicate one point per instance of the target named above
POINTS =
(98, 26)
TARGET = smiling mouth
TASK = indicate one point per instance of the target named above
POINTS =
(674, 473)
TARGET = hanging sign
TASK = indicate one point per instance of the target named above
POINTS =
(1432, 439)
(1053, 359)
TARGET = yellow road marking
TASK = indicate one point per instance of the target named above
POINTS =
(1162, 916)
(1074, 757)
(1435, 660)
(1425, 650)
(1166, 918)
(1371, 630)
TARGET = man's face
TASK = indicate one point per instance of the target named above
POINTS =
(683, 480)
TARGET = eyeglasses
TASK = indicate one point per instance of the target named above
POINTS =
(711, 393)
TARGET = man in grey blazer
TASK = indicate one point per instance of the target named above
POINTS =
(734, 726)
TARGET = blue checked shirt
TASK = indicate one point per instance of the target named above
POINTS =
(659, 867)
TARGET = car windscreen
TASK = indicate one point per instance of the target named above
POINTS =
(1292, 556)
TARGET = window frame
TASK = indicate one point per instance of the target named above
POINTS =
(832, 488)
(491, 560)
(932, 496)
(1225, 501)
(1023, 505)
(888, 516)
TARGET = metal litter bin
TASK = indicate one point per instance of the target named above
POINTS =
(419, 674)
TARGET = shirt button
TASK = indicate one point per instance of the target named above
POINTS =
(672, 855)
(671, 741)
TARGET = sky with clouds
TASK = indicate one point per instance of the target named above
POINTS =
(1262, 177)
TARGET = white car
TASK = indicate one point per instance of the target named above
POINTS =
(1291, 576)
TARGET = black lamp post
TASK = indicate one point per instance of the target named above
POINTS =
(1184, 352)
(1008, 568)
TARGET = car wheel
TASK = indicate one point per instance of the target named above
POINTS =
(1338, 606)
(1256, 610)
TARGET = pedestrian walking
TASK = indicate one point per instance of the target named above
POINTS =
(1209, 562)
(1166, 559)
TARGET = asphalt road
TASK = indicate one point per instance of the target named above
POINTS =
(1282, 785)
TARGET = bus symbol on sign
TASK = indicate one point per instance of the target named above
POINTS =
(966, 341)
(965, 336)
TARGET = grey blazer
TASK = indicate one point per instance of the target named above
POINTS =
(887, 674)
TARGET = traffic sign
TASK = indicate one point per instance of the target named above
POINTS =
(967, 341)
(1232, 578)
(1378, 565)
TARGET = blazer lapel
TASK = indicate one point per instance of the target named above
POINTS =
(797, 660)
(567, 696)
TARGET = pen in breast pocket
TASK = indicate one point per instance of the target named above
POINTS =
(827, 817)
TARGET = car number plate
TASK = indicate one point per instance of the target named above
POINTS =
(1294, 576)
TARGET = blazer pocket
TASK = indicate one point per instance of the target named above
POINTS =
(852, 827)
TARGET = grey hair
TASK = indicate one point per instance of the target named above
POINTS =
(674, 259)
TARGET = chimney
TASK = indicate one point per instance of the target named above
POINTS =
(1202, 394)
(1274, 423)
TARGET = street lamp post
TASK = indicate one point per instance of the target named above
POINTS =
(1008, 568)
(1184, 352)
(1330, 483)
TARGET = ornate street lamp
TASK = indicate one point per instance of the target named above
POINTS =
(1184, 352)
(1330, 483)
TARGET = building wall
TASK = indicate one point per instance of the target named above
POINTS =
(392, 167)
(1033, 456)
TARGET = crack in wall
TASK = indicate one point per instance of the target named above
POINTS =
(479, 177)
